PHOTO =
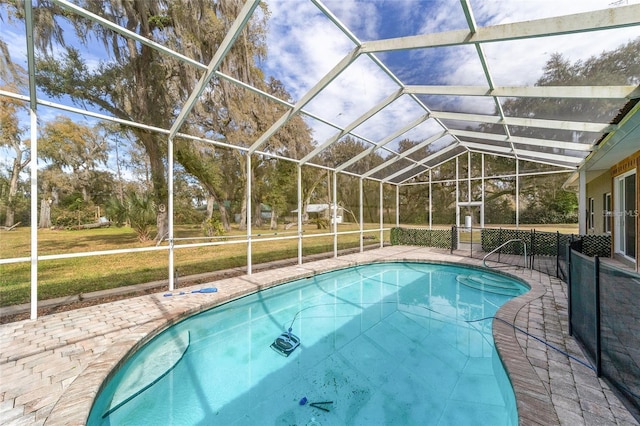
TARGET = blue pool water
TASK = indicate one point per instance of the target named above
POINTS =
(387, 344)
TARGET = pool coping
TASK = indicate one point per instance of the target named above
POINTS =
(126, 325)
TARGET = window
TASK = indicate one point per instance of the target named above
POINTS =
(606, 202)
(592, 214)
(625, 215)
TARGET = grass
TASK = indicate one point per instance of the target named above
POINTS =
(72, 276)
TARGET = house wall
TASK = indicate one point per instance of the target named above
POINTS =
(596, 189)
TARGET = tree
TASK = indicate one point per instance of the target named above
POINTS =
(138, 83)
(12, 78)
(54, 185)
(544, 202)
(620, 66)
(136, 209)
(348, 193)
(11, 137)
(65, 143)
(243, 118)
(201, 160)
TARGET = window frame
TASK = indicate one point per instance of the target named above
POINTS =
(606, 212)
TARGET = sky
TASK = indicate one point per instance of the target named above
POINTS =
(304, 45)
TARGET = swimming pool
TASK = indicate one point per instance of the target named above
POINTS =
(390, 343)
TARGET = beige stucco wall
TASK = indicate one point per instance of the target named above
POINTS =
(596, 189)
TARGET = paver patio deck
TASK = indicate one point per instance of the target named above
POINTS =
(52, 368)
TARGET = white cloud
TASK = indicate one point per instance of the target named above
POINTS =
(443, 16)
(357, 89)
(360, 17)
(303, 45)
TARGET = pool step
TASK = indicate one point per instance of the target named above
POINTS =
(490, 284)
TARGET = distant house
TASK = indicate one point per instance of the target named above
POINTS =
(608, 182)
(265, 213)
(322, 210)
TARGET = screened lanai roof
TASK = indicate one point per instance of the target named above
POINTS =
(453, 77)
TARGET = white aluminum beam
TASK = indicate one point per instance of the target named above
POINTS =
(231, 36)
(507, 150)
(466, 6)
(170, 212)
(333, 205)
(406, 153)
(421, 163)
(381, 207)
(533, 156)
(31, 67)
(618, 17)
(433, 166)
(570, 168)
(578, 126)
(383, 142)
(33, 166)
(576, 92)
(582, 202)
(33, 231)
(487, 148)
(523, 140)
(361, 212)
(127, 33)
(319, 86)
(299, 215)
(248, 196)
(364, 117)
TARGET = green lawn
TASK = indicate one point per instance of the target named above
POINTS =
(64, 277)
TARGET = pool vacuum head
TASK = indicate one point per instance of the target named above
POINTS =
(285, 343)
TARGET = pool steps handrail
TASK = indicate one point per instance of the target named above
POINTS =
(524, 244)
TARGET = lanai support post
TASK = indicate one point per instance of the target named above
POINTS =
(170, 172)
(299, 214)
(430, 203)
(582, 202)
(397, 206)
(457, 192)
(469, 176)
(517, 194)
(33, 105)
(482, 191)
(249, 207)
(381, 216)
(361, 216)
(334, 213)
(34, 210)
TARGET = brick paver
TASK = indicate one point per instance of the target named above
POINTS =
(52, 368)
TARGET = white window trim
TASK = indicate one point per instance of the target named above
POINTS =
(618, 214)
(607, 210)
